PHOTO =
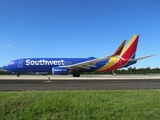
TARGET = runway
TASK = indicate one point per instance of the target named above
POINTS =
(85, 82)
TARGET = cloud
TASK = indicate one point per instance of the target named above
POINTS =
(7, 45)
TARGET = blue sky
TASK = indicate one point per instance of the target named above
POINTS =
(78, 28)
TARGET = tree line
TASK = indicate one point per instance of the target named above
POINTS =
(134, 70)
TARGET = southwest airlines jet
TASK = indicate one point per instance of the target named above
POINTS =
(123, 57)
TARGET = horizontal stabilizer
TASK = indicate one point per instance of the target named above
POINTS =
(132, 60)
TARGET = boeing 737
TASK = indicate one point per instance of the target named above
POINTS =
(123, 57)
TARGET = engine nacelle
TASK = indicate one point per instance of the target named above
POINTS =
(60, 71)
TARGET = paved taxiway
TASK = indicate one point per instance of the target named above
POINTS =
(85, 82)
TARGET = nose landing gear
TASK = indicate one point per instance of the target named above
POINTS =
(18, 74)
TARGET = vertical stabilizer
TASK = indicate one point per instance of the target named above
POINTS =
(129, 51)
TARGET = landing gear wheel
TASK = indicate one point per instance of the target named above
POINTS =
(18, 75)
(76, 74)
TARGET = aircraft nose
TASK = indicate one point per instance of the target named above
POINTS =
(9, 67)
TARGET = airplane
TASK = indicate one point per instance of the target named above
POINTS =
(122, 57)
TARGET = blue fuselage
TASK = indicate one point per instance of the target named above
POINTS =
(46, 64)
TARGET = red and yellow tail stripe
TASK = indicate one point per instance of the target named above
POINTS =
(119, 50)
(130, 48)
(127, 53)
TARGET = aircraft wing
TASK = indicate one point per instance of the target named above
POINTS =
(91, 63)
(132, 60)
(87, 64)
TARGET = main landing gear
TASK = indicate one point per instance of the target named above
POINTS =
(76, 74)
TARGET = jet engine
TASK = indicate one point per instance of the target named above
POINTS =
(60, 71)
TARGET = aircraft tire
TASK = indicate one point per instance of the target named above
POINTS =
(76, 74)
(18, 75)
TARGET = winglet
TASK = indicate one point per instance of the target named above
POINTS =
(120, 48)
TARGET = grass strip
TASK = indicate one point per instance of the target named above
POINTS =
(80, 105)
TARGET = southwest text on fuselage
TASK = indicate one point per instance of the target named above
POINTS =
(44, 62)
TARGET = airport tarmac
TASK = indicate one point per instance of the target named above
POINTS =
(85, 82)
(82, 77)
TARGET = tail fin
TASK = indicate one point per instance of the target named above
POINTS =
(129, 51)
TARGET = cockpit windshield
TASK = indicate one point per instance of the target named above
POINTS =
(11, 63)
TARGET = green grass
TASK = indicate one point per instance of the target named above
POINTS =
(81, 105)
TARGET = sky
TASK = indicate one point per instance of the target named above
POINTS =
(78, 28)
